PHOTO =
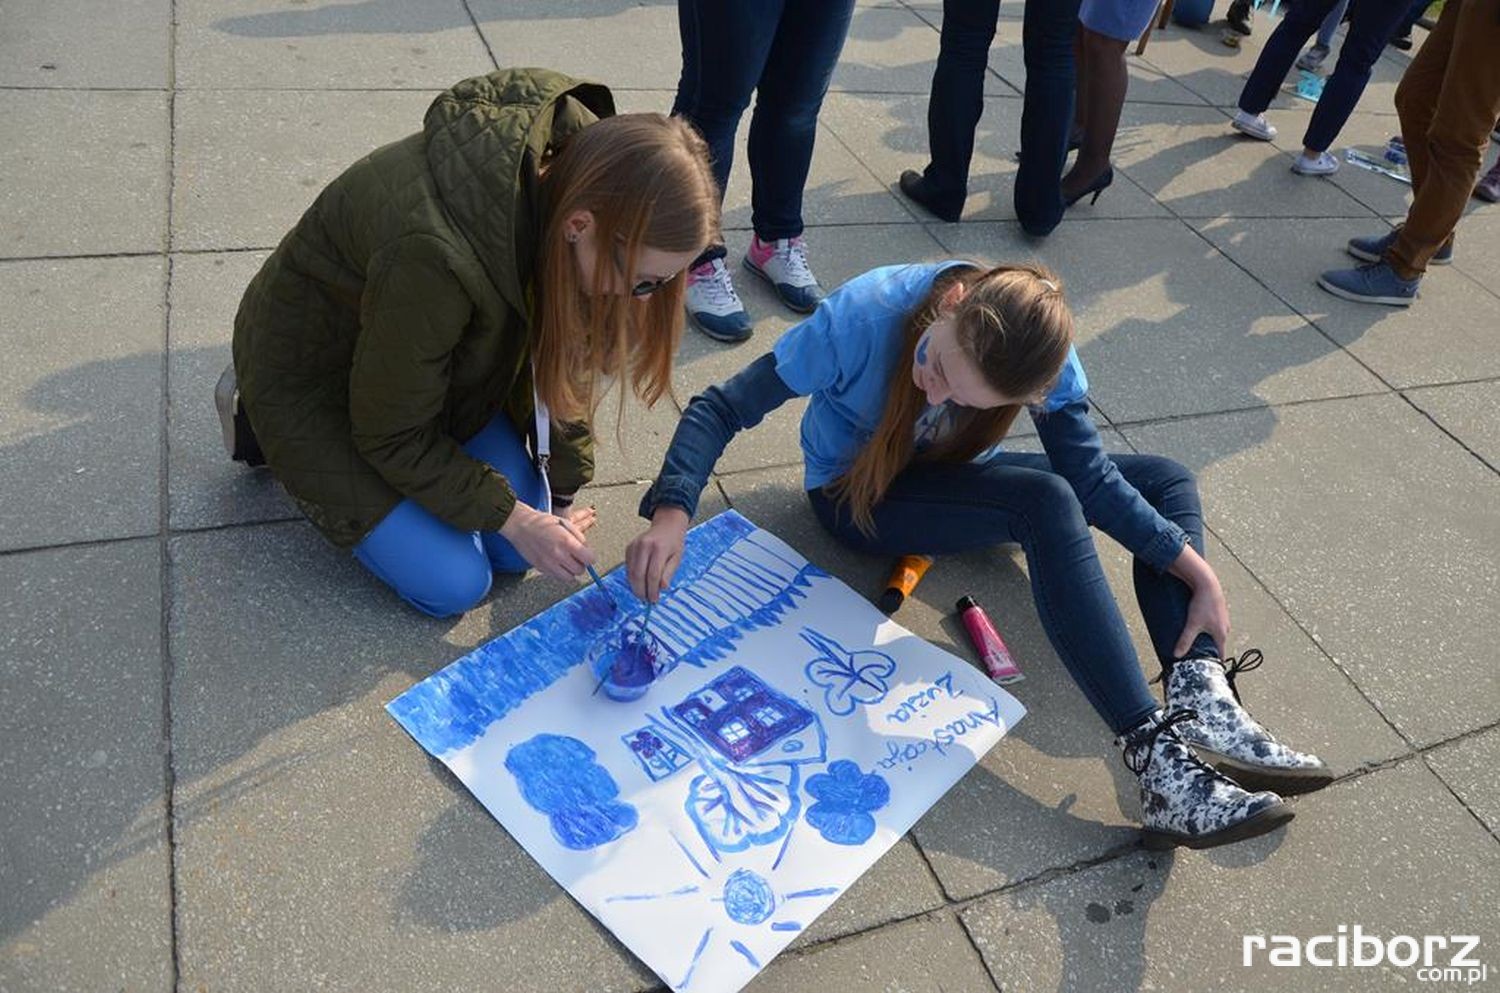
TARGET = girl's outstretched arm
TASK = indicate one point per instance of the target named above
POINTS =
(711, 420)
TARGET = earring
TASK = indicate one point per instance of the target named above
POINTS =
(572, 239)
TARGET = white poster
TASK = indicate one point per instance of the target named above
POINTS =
(796, 734)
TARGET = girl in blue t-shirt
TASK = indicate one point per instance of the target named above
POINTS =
(914, 374)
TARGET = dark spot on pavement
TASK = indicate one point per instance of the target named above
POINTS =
(1097, 912)
(1124, 907)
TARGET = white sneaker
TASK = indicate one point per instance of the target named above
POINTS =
(713, 304)
(1323, 165)
(783, 264)
(1254, 125)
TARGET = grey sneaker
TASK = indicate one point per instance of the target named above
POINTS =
(1185, 802)
(1312, 59)
(1376, 282)
(1228, 738)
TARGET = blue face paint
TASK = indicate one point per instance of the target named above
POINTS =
(922, 348)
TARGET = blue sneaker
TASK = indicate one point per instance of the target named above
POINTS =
(783, 264)
(1373, 283)
(1373, 249)
(713, 304)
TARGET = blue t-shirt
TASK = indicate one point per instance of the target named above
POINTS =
(844, 355)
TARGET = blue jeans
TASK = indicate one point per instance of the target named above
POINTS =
(1331, 23)
(957, 102)
(937, 509)
(782, 52)
(1370, 25)
(434, 566)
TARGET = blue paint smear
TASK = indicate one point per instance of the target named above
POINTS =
(825, 891)
(844, 799)
(747, 584)
(922, 348)
(697, 954)
(558, 776)
(748, 898)
(786, 926)
(689, 855)
(749, 957)
(637, 897)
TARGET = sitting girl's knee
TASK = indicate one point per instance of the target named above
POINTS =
(454, 590)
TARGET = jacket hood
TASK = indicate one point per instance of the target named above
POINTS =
(485, 138)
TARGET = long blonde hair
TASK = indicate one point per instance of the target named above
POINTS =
(1014, 324)
(646, 180)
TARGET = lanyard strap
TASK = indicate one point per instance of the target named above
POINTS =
(543, 443)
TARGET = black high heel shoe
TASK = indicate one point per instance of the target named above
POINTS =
(1098, 186)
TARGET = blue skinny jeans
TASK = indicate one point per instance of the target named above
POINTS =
(938, 509)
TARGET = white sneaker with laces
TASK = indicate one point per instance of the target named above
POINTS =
(713, 304)
(1254, 125)
(783, 264)
(1323, 165)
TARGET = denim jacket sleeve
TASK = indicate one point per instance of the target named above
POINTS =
(1109, 502)
(711, 420)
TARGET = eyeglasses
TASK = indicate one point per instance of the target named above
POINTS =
(645, 287)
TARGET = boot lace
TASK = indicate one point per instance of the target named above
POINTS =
(1139, 744)
(1250, 658)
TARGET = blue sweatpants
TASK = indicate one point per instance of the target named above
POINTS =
(433, 565)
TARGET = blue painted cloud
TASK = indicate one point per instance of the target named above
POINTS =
(847, 678)
(844, 800)
(558, 776)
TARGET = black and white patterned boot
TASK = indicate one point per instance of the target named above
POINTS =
(1185, 802)
(1229, 738)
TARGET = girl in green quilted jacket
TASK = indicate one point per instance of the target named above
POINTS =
(420, 359)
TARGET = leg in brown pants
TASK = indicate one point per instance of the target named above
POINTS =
(1448, 100)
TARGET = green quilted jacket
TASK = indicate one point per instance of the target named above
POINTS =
(393, 322)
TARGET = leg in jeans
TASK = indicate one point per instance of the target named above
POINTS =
(1457, 75)
(1047, 112)
(1297, 25)
(784, 126)
(435, 567)
(1370, 27)
(941, 509)
(724, 49)
(957, 100)
(1163, 598)
(1331, 23)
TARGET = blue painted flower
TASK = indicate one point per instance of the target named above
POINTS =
(844, 800)
(848, 678)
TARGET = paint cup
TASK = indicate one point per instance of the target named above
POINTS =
(992, 651)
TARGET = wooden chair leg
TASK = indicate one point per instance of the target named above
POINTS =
(1158, 21)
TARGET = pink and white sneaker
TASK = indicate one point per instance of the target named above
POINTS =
(713, 304)
(783, 264)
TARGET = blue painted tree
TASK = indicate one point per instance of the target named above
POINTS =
(558, 776)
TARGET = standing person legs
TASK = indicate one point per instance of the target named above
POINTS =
(1451, 148)
(783, 129)
(954, 107)
(1047, 35)
(1301, 20)
(724, 48)
(1370, 25)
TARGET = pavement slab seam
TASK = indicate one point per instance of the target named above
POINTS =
(1456, 439)
(1431, 767)
(479, 31)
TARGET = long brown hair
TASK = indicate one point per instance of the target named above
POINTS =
(646, 180)
(1014, 324)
